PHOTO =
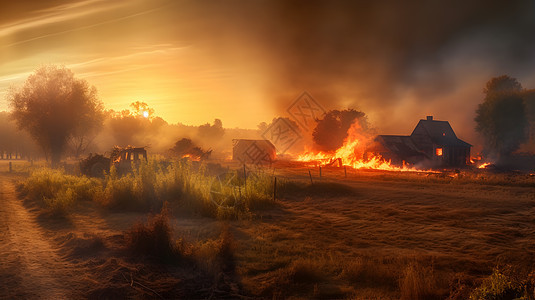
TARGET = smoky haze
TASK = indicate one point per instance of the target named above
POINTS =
(245, 62)
(396, 61)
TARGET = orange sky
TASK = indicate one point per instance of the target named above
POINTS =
(246, 61)
(128, 50)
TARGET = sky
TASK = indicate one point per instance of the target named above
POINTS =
(245, 62)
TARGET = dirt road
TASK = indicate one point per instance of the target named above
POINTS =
(29, 265)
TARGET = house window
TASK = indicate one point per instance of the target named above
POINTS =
(439, 151)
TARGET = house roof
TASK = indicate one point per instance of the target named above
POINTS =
(440, 133)
(401, 145)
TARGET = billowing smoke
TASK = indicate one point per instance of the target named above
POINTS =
(396, 61)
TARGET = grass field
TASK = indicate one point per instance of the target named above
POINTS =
(364, 235)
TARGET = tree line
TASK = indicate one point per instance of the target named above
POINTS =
(54, 113)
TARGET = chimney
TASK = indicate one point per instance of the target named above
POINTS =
(429, 118)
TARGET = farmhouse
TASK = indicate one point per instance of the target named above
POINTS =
(432, 143)
(253, 151)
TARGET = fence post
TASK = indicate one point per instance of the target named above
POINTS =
(245, 176)
(310, 175)
(320, 171)
(10, 167)
(345, 171)
(275, 190)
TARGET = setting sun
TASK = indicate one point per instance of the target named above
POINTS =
(267, 149)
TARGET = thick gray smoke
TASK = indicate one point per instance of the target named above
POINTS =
(396, 61)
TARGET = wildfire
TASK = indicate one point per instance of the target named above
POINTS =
(484, 165)
(191, 157)
(351, 154)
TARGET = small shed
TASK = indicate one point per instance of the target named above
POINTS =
(253, 151)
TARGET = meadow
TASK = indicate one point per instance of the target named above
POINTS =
(182, 230)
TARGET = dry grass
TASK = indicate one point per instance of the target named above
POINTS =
(57, 190)
(154, 238)
(419, 282)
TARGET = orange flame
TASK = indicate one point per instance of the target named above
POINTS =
(191, 157)
(484, 165)
(351, 154)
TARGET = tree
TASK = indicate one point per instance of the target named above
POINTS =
(53, 106)
(331, 131)
(501, 118)
(136, 127)
(212, 132)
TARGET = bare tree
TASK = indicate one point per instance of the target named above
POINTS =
(53, 106)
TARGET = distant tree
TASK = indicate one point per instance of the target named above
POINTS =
(142, 109)
(529, 102)
(212, 132)
(502, 84)
(14, 142)
(331, 131)
(138, 126)
(53, 106)
(501, 119)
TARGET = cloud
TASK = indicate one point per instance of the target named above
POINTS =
(58, 14)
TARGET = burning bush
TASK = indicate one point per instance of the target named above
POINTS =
(186, 148)
(331, 131)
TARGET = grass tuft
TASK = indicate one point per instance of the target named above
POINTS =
(154, 238)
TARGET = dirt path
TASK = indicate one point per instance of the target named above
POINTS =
(29, 265)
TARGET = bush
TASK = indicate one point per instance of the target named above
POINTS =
(502, 284)
(155, 238)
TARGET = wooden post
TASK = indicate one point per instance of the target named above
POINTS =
(275, 189)
(245, 175)
(320, 171)
(10, 167)
(345, 171)
(310, 175)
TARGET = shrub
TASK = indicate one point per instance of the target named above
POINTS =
(502, 284)
(155, 238)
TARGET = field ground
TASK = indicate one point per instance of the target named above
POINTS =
(361, 242)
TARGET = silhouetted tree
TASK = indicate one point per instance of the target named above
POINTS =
(134, 127)
(52, 106)
(212, 132)
(331, 131)
(501, 118)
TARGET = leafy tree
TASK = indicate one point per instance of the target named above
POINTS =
(331, 131)
(53, 106)
(501, 118)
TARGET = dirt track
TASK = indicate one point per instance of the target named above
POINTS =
(29, 266)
